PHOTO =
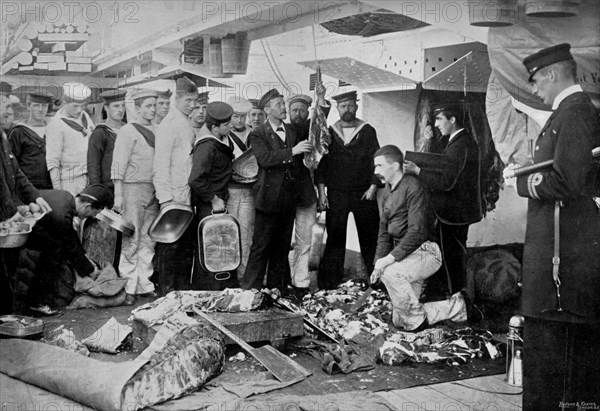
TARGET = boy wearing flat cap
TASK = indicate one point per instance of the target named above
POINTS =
(561, 256)
(171, 170)
(241, 193)
(133, 159)
(256, 115)
(28, 140)
(102, 140)
(67, 141)
(211, 171)
(163, 106)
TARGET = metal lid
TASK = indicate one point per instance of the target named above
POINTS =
(116, 221)
(516, 321)
(171, 222)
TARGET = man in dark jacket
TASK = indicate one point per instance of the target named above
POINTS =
(15, 189)
(283, 184)
(102, 140)
(347, 174)
(561, 260)
(454, 181)
(28, 140)
(57, 240)
(211, 171)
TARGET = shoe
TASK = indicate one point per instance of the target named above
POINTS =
(151, 294)
(363, 284)
(424, 325)
(45, 310)
(474, 314)
(129, 299)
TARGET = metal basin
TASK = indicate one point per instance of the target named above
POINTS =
(116, 221)
(171, 222)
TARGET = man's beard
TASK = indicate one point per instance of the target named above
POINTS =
(347, 116)
(298, 121)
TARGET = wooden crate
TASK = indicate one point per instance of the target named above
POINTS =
(271, 325)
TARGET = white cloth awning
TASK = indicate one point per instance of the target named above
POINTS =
(365, 77)
(471, 72)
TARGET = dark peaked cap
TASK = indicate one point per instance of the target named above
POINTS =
(110, 96)
(165, 94)
(268, 96)
(219, 112)
(185, 85)
(40, 96)
(350, 95)
(547, 56)
(456, 107)
(100, 194)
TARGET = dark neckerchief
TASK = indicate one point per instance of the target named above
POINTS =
(76, 126)
(238, 141)
(147, 133)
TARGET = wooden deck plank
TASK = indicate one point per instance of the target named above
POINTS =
(392, 398)
(426, 398)
(476, 399)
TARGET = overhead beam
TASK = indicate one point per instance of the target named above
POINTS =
(445, 14)
(272, 19)
(204, 21)
(27, 80)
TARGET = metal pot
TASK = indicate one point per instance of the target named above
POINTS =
(171, 222)
(219, 244)
(116, 221)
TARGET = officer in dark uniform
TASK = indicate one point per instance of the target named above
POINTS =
(561, 260)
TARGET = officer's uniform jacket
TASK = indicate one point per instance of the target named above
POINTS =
(568, 137)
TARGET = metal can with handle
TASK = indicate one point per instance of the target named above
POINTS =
(220, 245)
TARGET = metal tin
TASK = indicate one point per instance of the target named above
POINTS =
(20, 326)
(245, 168)
(219, 244)
(171, 222)
(10, 239)
(116, 221)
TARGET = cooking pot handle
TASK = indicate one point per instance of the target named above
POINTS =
(220, 212)
(223, 276)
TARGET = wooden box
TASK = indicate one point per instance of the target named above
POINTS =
(270, 325)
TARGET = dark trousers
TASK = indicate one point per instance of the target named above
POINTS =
(173, 262)
(203, 279)
(9, 258)
(453, 239)
(270, 247)
(561, 365)
(366, 216)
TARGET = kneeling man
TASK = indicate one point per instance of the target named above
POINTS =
(406, 253)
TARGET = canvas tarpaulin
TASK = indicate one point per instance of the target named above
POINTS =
(86, 380)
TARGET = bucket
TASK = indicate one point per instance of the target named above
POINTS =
(215, 61)
(235, 52)
(497, 13)
(552, 8)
